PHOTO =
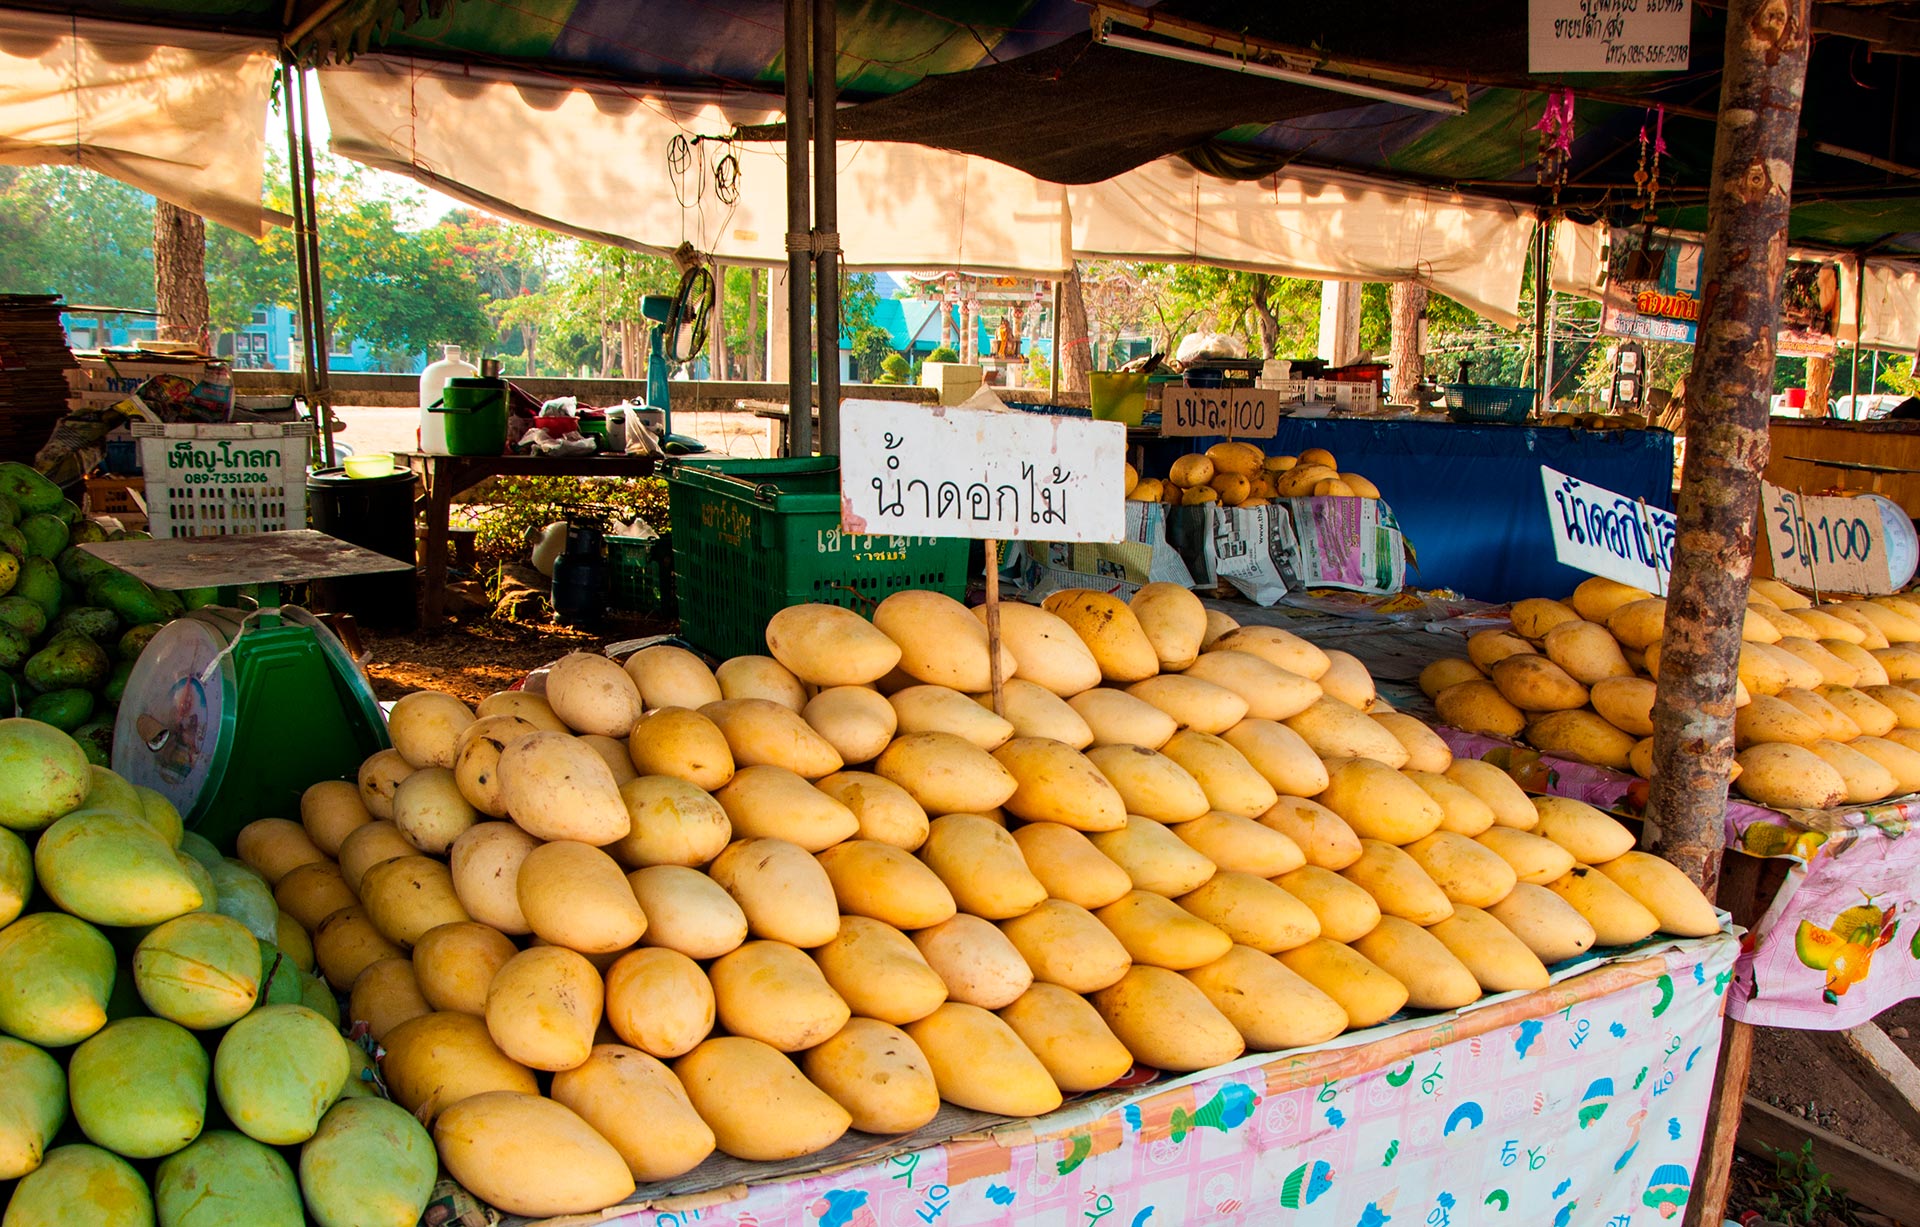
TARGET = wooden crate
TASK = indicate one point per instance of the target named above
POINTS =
(123, 498)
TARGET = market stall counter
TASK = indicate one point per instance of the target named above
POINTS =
(1469, 498)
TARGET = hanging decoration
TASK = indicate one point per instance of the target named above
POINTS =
(1556, 141)
(1646, 179)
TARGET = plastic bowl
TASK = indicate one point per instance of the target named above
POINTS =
(373, 464)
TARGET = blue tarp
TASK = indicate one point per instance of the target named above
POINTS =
(1469, 498)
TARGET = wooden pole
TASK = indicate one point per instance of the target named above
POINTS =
(1764, 75)
(993, 627)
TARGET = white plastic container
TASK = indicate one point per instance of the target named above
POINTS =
(433, 426)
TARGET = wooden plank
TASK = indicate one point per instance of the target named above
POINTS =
(1714, 1173)
(1864, 1176)
(1879, 1068)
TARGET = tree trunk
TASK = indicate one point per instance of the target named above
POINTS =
(180, 273)
(1269, 323)
(755, 347)
(1819, 387)
(1407, 304)
(1076, 351)
(1726, 418)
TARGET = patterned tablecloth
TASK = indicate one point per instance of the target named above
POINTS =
(1578, 1106)
(1840, 941)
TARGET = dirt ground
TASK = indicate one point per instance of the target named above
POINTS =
(1789, 1069)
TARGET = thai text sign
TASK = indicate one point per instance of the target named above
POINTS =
(1608, 534)
(1239, 413)
(949, 472)
(1608, 35)
(1829, 544)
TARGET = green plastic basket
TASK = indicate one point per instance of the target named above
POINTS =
(752, 537)
(640, 576)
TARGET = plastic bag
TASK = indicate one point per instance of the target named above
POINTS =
(1196, 345)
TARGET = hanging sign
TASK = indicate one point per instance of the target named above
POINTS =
(1608, 534)
(922, 470)
(1652, 293)
(1838, 544)
(1608, 35)
(1239, 413)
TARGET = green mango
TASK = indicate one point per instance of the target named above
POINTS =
(139, 1087)
(196, 846)
(202, 882)
(9, 572)
(200, 598)
(69, 660)
(281, 982)
(15, 648)
(227, 1179)
(33, 1105)
(16, 876)
(40, 583)
(96, 738)
(294, 942)
(317, 996)
(132, 600)
(43, 774)
(81, 567)
(9, 511)
(65, 710)
(116, 684)
(137, 534)
(112, 869)
(100, 625)
(13, 541)
(110, 792)
(363, 1080)
(240, 892)
(29, 488)
(370, 1165)
(68, 512)
(136, 639)
(86, 532)
(23, 615)
(201, 970)
(46, 535)
(277, 1072)
(81, 1186)
(59, 973)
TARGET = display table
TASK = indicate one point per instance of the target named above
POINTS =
(448, 477)
(1581, 1104)
(1469, 498)
(1847, 876)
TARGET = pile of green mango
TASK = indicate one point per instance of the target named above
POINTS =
(71, 626)
(167, 1054)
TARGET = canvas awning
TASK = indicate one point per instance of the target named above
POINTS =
(589, 159)
(177, 113)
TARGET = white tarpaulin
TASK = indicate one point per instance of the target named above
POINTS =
(179, 114)
(591, 160)
(1316, 224)
(1886, 299)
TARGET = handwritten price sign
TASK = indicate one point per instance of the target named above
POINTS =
(1836, 544)
(1608, 534)
(1243, 413)
(917, 470)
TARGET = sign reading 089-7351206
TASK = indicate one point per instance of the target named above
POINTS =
(921, 470)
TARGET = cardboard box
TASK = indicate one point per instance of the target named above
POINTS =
(103, 380)
(955, 380)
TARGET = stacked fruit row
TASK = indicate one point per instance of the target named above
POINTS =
(161, 1056)
(1828, 696)
(71, 626)
(834, 888)
(1241, 475)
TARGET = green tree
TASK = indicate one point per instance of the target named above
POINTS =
(871, 347)
(69, 231)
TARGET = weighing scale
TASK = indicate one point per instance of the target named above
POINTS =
(231, 714)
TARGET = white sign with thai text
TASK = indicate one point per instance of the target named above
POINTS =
(1609, 35)
(1837, 543)
(922, 470)
(1608, 534)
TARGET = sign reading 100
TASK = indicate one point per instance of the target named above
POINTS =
(1829, 538)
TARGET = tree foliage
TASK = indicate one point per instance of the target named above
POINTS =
(72, 232)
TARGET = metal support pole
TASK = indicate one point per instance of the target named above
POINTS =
(1542, 390)
(303, 275)
(1726, 423)
(799, 239)
(826, 215)
(322, 393)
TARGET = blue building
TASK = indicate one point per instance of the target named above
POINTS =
(269, 342)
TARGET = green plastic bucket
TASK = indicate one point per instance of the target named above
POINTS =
(1119, 396)
(476, 416)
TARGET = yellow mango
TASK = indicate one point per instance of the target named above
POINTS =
(635, 1103)
(1461, 811)
(886, 812)
(672, 677)
(659, 1001)
(1271, 693)
(1167, 1022)
(1597, 597)
(1397, 883)
(1499, 961)
(1657, 885)
(1239, 845)
(940, 640)
(945, 774)
(1485, 649)
(346, 944)
(1581, 735)
(1591, 835)
(1585, 652)
(1253, 912)
(1425, 750)
(1868, 714)
(1272, 1007)
(1154, 858)
(827, 645)
(1281, 648)
(1544, 922)
(982, 867)
(1323, 836)
(544, 1006)
(1281, 756)
(1117, 718)
(879, 1075)
(977, 962)
(1448, 672)
(1230, 782)
(757, 1102)
(1048, 652)
(941, 709)
(1899, 761)
(329, 811)
(1368, 994)
(1378, 802)
(1173, 619)
(1035, 711)
(1626, 703)
(1834, 724)
(575, 895)
(1479, 707)
(1191, 702)
(1069, 867)
(761, 732)
(385, 995)
(1770, 719)
(425, 726)
(979, 1062)
(1506, 799)
(766, 802)
(529, 1155)
(1056, 783)
(1159, 932)
(1867, 781)
(1833, 670)
(879, 972)
(1065, 944)
(1535, 616)
(1344, 911)
(407, 896)
(1617, 917)
(1063, 1030)
(687, 911)
(772, 992)
(454, 964)
(886, 883)
(1466, 872)
(1150, 784)
(1534, 857)
(857, 721)
(670, 822)
(593, 695)
(1434, 979)
(784, 892)
(760, 678)
(436, 1060)
(1110, 631)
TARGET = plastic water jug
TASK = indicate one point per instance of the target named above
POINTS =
(433, 427)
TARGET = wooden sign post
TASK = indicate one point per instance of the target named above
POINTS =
(916, 470)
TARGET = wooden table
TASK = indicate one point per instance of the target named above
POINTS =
(448, 477)
(241, 559)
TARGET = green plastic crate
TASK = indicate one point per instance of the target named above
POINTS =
(640, 576)
(752, 537)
